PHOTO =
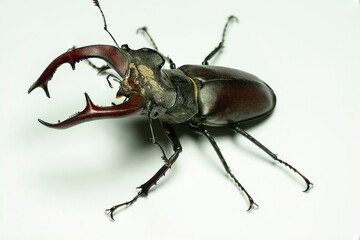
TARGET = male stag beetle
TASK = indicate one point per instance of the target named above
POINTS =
(200, 95)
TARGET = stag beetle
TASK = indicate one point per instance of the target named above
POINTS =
(200, 95)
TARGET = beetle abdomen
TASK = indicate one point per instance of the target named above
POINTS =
(228, 95)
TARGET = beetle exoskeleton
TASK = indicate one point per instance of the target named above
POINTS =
(200, 95)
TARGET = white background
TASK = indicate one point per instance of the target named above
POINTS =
(55, 184)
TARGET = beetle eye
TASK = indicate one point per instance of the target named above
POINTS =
(157, 111)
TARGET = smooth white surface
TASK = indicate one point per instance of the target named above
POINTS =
(56, 184)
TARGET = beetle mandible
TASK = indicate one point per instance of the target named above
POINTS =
(200, 95)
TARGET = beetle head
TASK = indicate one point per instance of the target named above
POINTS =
(142, 82)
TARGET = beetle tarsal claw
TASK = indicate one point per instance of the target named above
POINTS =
(309, 185)
(252, 206)
(110, 211)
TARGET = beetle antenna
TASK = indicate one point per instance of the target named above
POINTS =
(97, 4)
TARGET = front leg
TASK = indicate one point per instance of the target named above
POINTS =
(144, 188)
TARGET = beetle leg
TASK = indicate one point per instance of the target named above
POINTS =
(170, 133)
(145, 31)
(221, 44)
(271, 154)
(200, 130)
(101, 70)
(156, 143)
(114, 78)
(144, 188)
